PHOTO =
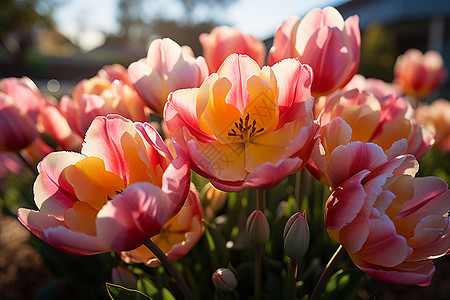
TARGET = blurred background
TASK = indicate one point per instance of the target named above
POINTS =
(58, 42)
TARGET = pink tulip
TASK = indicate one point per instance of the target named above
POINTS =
(224, 40)
(436, 117)
(325, 42)
(246, 126)
(20, 104)
(377, 87)
(360, 116)
(167, 68)
(390, 223)
(177, 237)
(419, 74)
(108, 92)
(114, 195)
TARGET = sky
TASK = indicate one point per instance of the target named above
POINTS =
(259, 18)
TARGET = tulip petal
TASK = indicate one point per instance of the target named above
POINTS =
(53, 194)
(147, 83)
(103, 139)
(175, 180)
(131, 218)
(345, 203)
(383, 246)
(238, 69)
(73, 242)
(222, 162)
(419, 273)
(180, 111)
(346, 161)
(294, 84)
(431, 197)
(267, 175)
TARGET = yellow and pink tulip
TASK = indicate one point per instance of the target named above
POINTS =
(391, 224)
(246, 126)
(358, 115)
(167, 68)
(114, 195)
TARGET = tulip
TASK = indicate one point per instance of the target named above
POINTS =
(296, 236)
(257, 227)
(177, 237)
(436, 117)
(224, 280)
(110, 91)
(377, 87)
(325, 42)
(360, 116)
(167, 68)
(224, 40)
(246, 126)
(419, 74)
(114, 195)
(390, 223)
(20, 104)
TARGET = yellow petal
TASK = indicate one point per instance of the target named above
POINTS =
(227, 160)
(262, 106)
(218, 115)
(136, 156)
(81, 218)
(270, 147)
(92, 183)
(393, 131)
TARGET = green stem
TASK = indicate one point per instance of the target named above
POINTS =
(258, 270)
(340, 252)
(301, 186)
(170, 267)
(261, 200)
(298, 189)
(292, 279)
(260, 205)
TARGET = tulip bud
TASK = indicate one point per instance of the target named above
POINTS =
(296, 236)
(224, 280)
(258, 230)
(123, 277)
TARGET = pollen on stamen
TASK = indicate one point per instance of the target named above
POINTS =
(245, 129)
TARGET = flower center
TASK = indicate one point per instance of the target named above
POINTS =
(117, 193)
(245, 129)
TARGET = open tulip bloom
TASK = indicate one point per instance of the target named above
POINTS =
(390, 223)
(114, 195)
(246, 126)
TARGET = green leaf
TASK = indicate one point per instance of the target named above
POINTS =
(374, 295)
(117, 292)
(344, 284)
(216, 245)
(145, 285)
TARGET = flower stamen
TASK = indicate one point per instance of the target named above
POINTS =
(244, 129)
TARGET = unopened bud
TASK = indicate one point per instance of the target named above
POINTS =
(123, 277)
(224, 280)
(296, 236)
(258, 230)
